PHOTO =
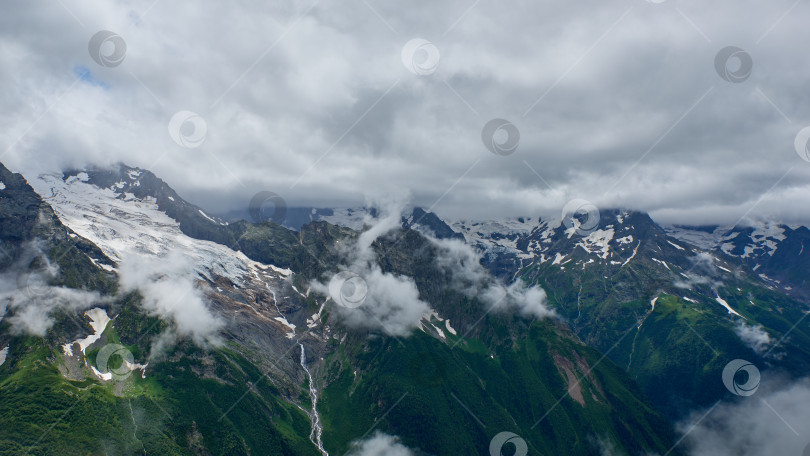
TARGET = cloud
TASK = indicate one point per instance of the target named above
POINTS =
(463, 263)
(528, 301)
(773, 421)
(469, 277)
(27, 302)
(32, 314)
(391, 303)
(753, 336)
(380, 444)
(703, 272)
(605, 446)
(616, 103)
(167, 285)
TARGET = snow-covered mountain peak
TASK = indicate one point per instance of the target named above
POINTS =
(123, 225)
(133, 230)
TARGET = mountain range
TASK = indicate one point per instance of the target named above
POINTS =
(135, 322)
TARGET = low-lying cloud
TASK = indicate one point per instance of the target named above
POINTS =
(392, 303)
(472, 279)
(772, 421)
(167, 285)
(703, 272)
(754, 337)
(380, 444)
(27, 302)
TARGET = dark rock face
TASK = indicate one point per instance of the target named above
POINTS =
(430, 222)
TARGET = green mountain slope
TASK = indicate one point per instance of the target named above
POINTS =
(677, 348)
(439, 391)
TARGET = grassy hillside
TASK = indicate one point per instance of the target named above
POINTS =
(445, 400)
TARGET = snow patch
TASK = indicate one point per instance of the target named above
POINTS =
(635, 250)
(598, 242)
(206, 216)
(290, 326)
(439, 331)
(3, 354)
(107, 376)
(728, 247)
(661, 262)
(728, 307)
(676, 245)
(450, 328)
(99, 321)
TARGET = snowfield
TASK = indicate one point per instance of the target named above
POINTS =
(127, 227)
(134, 231)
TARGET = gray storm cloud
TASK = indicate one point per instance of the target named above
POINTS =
(616, 102)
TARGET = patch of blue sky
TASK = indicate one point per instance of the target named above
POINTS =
(84, 73)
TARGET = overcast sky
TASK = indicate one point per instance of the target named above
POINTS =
(329, 103)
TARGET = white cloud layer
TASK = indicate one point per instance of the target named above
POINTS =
(380, 444)
(391, 303)
(28, 303)
(616, 102)
(754, 337)
(472, 279)
(167, 285)
(773, 421)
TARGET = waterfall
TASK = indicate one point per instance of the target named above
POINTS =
(317, 429)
